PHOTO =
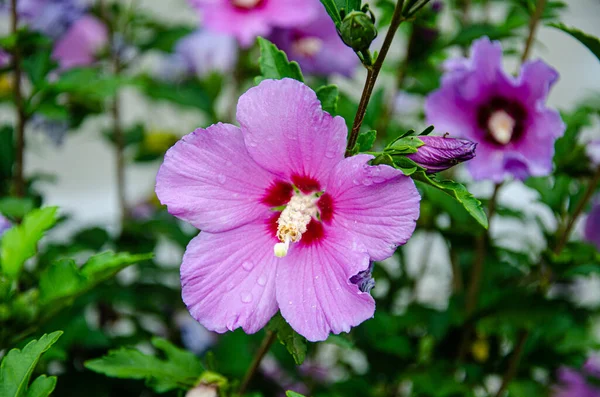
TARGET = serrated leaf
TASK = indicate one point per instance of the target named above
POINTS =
(290, 393)
(20, 243)
(460, 193)
(42, 386)
(332, 10)
(179, 370)
(295, 344)
(104, 265)
(591, 42)
(365, 141)
(61, 279)
(328, 95)
(274, 63)
(18, 365)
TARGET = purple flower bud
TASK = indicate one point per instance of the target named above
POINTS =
(364, 279)
(440, 153)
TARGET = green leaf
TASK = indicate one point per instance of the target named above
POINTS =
(328, 95)
(61, 279)
(274, 63)
(7, 157)
(352, 5)
(103, 266)
(88, 82)
(365, 141)
(42, 386)
(190, 93)
(460, 193)
(332, 10)
(591, 42)
(20, 243)
(290, 393)
(405, 145)
(38, 65)
(293, 342)
(179, 369)
(18, 365)
(15, 207)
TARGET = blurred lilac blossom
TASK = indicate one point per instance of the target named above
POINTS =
(317, 47)
(202, 53)
(506, 116)
(55, 130)
(5, 224)
(593, 151)
(591, 231)
(194, 336)
(51, 17)
(440, 153)
(573, 383)
(4, 58)
(81, 43)
(247, 19)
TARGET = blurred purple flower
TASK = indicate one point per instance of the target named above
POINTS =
(364, 279)
(440, 153)
(204, 52)
(506, 116)
(574, 383)
(248, 19)
(55, 130)
(5, 224)
(81, 43)
(591, 231)
(194, 336)
(50, 17)
(593, 151)
(4, 58)
(317, 47)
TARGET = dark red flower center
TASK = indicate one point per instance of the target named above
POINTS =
(247, 4)
(278, 196)
(502, 119)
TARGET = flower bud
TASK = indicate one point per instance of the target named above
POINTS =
(440, 153)
(358, 31)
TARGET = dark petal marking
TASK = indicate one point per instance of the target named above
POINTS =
(278, 194)
(314, 233)
(306, 184)
(513, 108)
(326, 207)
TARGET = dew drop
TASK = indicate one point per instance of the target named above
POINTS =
(247, 265)
(367, 182)
(290, 302)
(356, 182)
(221, 178)
(262, 280)
(246, 297)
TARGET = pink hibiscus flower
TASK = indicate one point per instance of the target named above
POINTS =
(248, 19)
(286, 220)
(81, 43)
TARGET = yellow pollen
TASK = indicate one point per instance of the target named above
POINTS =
(293, 221)
(501, 125)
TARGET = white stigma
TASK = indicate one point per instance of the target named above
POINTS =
(293, 221)
(307, 46)
(245, 3)
(501, 125)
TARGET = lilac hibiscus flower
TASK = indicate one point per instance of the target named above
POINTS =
(506, 116)
(81, 43)
(317, 47)
(591, 232)
(248, 19)
(51, 17)
(286, 220)
(575, 384)
(204, 52)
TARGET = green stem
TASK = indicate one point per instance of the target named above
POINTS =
(260, 354)
(372, 74)
(533, 23)
(19, 179)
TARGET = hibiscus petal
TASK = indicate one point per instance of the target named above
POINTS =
(537, 77)
(209, 180)
(228, 278)
(288, 133)
(379, 204)
(314, 291)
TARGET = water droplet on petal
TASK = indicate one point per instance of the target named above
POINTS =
(290, 302)
(246, 297)
(247, 265)
(262, 280)
(367, 182)
(221, 178)
(356, 182)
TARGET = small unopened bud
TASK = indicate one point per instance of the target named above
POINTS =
(440, 153)
(358, 31)
(202, 391)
